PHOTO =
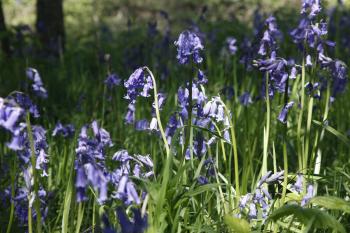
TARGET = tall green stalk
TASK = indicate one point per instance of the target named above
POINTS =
(35, 178)
(267, 128)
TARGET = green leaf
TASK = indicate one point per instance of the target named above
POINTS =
(312, 218)
(333, 131)
(333, 203)
(201, 189)
(237, 225)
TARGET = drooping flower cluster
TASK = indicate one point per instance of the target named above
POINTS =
(139, 84)
(311, 34)
(27, 141)
(189, 46)
(282, 117)
(259, 200)
(137, 224)
(90, 162)
(298, 187)
(25, 193)
(38, 86)
(138, 166)
(268, 43)
(64, 130)
(91, 168)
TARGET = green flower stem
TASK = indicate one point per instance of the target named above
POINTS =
(36, 184)
(300, 119)
(156, 106)
(267, 128)
(234, 148)
(12, 208)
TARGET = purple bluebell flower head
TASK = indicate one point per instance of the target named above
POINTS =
(231, 45)
(202, 79)
(26, 103)
(125, 189)
(202, 180)
(298, 185)
(161, 101)
(270, 37)
(9, 115)
(130, 115)
(138, 84)
(311, 8)
(171, 128)
(112, 80)
(282, 117)
(188, 46)
(275, 177)
(308, 61)
(90, 161)
(142, 125)
(64, 130)
(137, 225)
(245, 99)
(252, 211)
(309, 194)
(38, 86)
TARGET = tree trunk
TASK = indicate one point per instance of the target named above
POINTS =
(50, 26)
(4, 35)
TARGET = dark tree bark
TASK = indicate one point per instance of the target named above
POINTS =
(4, 35)
(50, 26)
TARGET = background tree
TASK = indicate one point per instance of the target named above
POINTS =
(4, 35)
(50, 26)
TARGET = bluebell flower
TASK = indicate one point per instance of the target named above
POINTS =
(172, 126)
(189, 46)
(38, 86)
(138, 84)
(231, 45)
(112, 80)
(298, 185)
(9, 115)
(137, 225)
(26, 103)
(245, 99)
(142, 125)
(311, 8)
(282, 117)
(252, 211)
(202, 180)
(202, 79)
(64, 130)
(90, 162)
(130, 115)
(309, 194)
(271, 36)
(125, 189)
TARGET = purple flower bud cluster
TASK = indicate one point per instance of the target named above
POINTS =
(260, 200)
(189, 46)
